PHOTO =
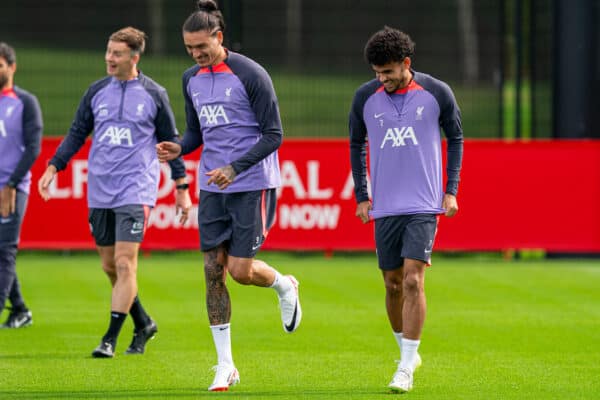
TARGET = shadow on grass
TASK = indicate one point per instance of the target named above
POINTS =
(42, 356)
(180, 393)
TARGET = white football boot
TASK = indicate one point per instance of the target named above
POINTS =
(402, 381)
(225, 376)
(289, 303)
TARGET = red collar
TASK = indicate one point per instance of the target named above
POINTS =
(10, 92)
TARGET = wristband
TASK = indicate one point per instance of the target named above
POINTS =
(182, 186)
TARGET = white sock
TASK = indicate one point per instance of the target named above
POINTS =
(281, 284)
(409, 353)
(398, 336)
(222, 338)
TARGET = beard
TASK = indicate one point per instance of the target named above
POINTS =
(3, 81)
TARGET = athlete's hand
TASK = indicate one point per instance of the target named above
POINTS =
(167, 151)
(45, 181)
(8, 198)
(450, 205)
(222, 177)
(183, 204)
(362, 211)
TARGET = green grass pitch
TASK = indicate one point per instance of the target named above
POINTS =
(494, 330)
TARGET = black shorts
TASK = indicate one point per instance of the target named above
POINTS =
(122, 224)
(241, 220)
(10, 227)
(404, 236)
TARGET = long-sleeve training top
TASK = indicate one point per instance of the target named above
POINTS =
(403, 132)
(232, 110)
(128, 118)
(20, 137)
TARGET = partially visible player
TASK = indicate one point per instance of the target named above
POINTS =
(128, 113)
(231, 109)
(401, 112)
(20, 141)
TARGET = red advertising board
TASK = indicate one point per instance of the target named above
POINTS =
(513, 195)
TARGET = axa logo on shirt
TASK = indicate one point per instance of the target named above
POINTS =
(399, 137)
(117, 136)
(212, 114)
(2, 129)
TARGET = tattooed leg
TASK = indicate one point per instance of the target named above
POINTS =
(218, 304)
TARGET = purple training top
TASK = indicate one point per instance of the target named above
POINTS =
(127, 118)
(20, 137)
(232, 109)
(403, 130)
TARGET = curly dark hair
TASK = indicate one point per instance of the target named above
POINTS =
(388, 45)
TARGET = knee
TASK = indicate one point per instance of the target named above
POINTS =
(221, 257)
(8, 255)
(214, 270)
(109, 269)
(124, 267)
(393, 285)
(412, 284)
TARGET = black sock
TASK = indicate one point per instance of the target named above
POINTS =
(116, 322)
(19, 308)
(139, 315)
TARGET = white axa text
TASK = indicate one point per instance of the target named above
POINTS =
(399, 136)
(212, 114)
(117, 135)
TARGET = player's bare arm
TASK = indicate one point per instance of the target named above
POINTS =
(222, 177)
(450, 205)
(45, 181)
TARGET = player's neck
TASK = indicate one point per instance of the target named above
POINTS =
(406, 80)
(7, 87)
(221, 57)
(130, 76)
